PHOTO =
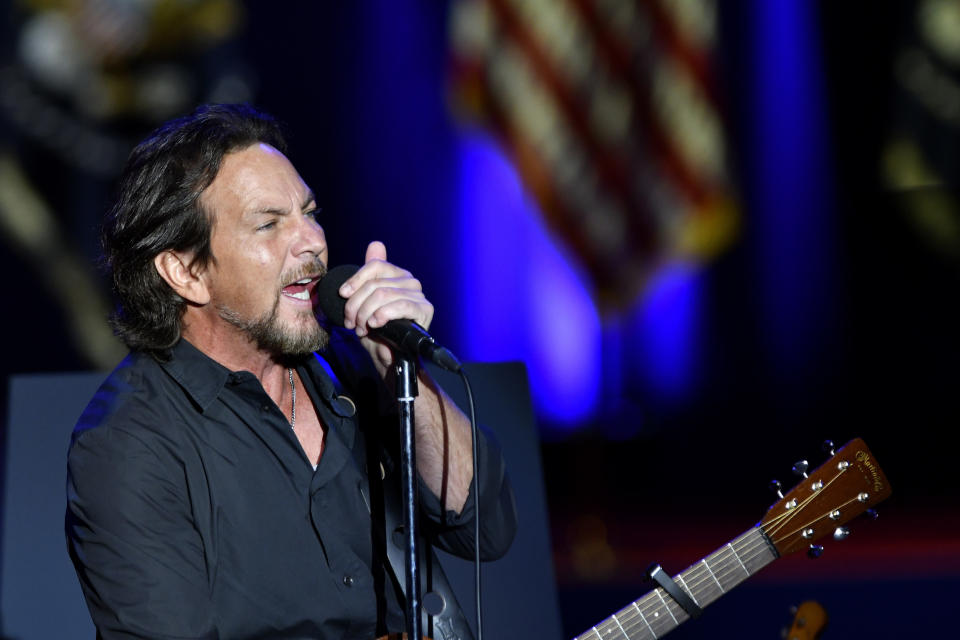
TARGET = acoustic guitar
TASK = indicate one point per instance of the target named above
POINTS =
(845, 486)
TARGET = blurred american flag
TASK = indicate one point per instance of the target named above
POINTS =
(611, 112)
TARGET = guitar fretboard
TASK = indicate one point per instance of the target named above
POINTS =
(656, 614)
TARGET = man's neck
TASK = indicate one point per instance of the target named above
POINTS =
(236, 351)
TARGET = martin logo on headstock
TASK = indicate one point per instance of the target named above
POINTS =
(848, 484)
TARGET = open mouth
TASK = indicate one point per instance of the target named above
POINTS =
(301, 289)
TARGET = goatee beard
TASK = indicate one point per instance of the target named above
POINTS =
(271, 336)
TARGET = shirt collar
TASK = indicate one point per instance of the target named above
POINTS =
(201, 376)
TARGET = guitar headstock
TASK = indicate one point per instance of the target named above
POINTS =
(843, 487)
(809, 620)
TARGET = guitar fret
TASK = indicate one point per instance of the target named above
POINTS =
(760, 552)
(737, 556)
(657, 591)
(622, 630)
(629, 618)
(605, 629)
(644, 618)
(652, 611)
(587, 635)
(712, 575)
(683, 583)
(700, 584)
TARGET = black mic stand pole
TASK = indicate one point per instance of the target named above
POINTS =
(406, 394)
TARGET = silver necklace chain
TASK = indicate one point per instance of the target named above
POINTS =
(293, 399)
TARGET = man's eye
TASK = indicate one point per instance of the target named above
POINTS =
(266, 226)
(313, 213)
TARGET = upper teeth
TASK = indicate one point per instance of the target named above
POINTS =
(304, 281)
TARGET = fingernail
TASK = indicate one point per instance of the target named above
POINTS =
(346, 290)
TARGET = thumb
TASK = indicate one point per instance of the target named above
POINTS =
(376, 250)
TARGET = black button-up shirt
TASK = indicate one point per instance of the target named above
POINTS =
(193, 511)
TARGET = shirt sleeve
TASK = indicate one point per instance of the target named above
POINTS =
(450, 531)
(454, 532)
(130, 534)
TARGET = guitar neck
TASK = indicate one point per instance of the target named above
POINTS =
(656, 613)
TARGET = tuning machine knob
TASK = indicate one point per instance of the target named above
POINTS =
(777, 488)
(841, 533)
(815, 551)
(800, 468)
(828, 447)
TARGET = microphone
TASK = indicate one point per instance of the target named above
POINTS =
(405, 336)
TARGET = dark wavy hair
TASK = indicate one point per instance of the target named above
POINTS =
(158, 209)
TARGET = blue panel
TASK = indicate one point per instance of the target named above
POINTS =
(41, 595)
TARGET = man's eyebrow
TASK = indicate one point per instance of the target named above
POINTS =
(274, 211)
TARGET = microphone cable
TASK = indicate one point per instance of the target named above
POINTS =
(476, 505)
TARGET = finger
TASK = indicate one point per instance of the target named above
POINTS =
(373, 275)
(376, 266)
(376, 292)
(376, 250)
(385, 305)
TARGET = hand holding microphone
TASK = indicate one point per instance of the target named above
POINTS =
(382, 303)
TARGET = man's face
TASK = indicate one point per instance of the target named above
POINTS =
(269, 251)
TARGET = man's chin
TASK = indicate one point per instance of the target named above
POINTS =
(301, 336)
(300, 343)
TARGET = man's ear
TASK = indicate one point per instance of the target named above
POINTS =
(174, 267)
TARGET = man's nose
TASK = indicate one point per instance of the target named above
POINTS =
(310, 238)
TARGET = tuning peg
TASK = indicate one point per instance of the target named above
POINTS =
(872, 514)
(800, 468)
(840, 533)
(828, 447)
(815, 551)
(776, 487)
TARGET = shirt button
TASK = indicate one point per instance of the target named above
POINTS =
(265, 407)
(348, 580)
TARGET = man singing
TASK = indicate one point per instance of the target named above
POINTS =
(224, 481)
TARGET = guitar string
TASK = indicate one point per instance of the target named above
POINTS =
(650, 613)
(699, 573)
(652, 605)
(773, 528)
(699, 576)
(755, 547)
(802, 527)
(809, 500)
(631, 621)
(695, 575)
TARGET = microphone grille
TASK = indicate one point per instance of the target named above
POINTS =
(330, 302)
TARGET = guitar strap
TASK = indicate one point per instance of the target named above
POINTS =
(442, 617)
(439, 604)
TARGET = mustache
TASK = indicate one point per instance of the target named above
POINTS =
(313, 269)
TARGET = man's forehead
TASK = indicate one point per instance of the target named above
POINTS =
(255, 177)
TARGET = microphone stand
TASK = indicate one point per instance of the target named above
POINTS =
(406, 393)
